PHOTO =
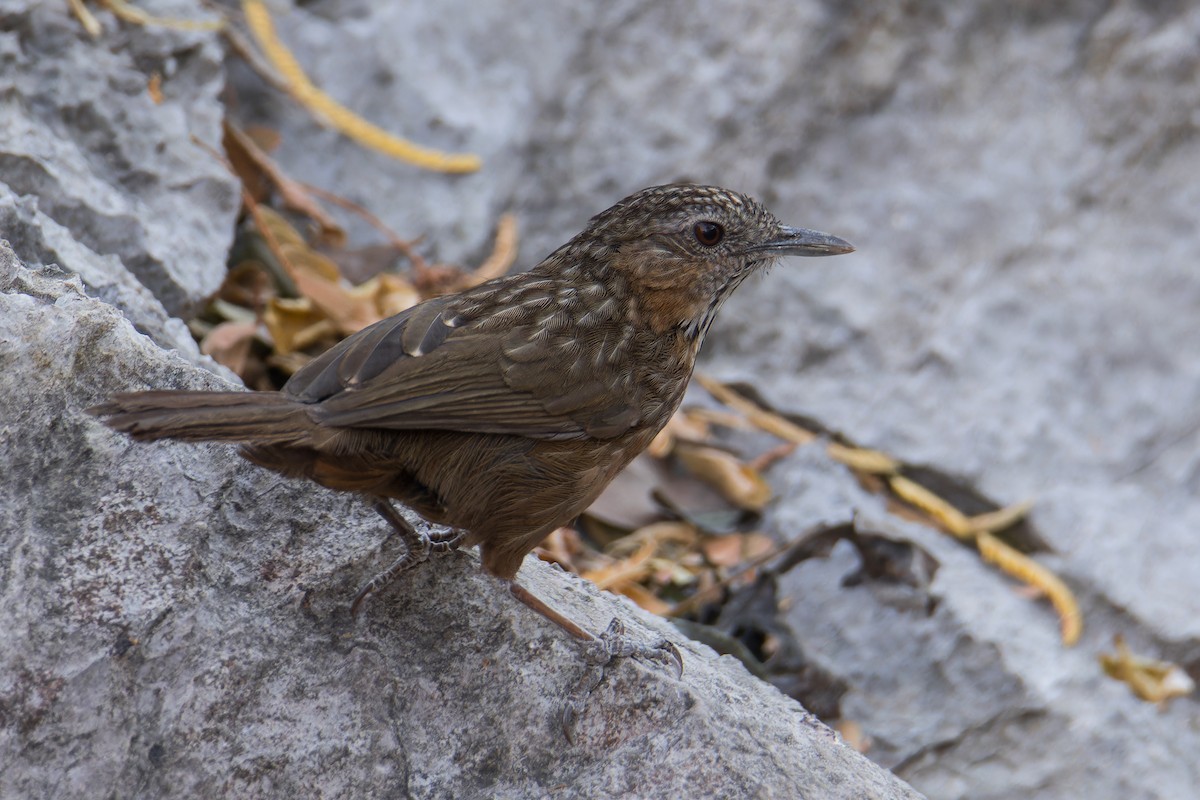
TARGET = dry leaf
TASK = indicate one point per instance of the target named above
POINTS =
(737, 482)
(854, 736)
(340, 117)
(128, 13)
(504, 254)
(913, 493)
(256, 169)
(295, 324)
(154, 88)
(723, 551)
(1151, 680)
(658, 533)
(1020, 566)
(229, 344)
(761, 418)
(626, 570)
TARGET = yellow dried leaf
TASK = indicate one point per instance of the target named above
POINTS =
(681, 425)
(761, 418)
(340, 117)
(737, 482)
(630, 569)
(872, 462)
(394, 294)
(704, 418)
(915, 494)
(1000, 519)
(86, 18)
(854, 735)
(291, 323)
(504, 254)
(1151, 680)
(1020, 566)
(658, 533)
(154, 88)
(128, 13)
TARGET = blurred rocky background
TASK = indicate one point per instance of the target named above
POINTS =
(1020, 321)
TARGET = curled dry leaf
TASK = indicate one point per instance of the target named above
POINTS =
(256, 169)
(340, 117)
(318, 279)
(658, 533)
(913, 493)
(736, 481)
(129, 13)
(1020, 566)
(1151, 680)
(759, 417)
(684, 424)
(504, 255)
(645, 598)
(625, 570)
(295, 324)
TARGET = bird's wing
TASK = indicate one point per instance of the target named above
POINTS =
(433, 367)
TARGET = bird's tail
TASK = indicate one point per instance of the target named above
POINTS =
(263, 418)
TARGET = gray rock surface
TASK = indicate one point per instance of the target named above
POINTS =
(80, 133)
(1022, 313)
(175, 624)
(175, 620)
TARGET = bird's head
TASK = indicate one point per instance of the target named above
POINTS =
(682, 249)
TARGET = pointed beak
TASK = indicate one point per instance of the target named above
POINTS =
(803, 242)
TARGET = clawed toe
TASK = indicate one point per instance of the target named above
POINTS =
(418, 547)
(602, 651)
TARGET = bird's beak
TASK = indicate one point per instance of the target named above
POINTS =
(803, 242)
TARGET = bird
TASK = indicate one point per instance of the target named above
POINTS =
(502, 411)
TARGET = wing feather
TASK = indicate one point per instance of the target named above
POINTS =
(433, 368)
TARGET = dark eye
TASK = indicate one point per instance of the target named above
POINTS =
(708, 234)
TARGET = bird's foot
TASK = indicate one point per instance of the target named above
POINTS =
(599, 653)
(418, 546)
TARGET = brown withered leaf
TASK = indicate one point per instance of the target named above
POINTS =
(561, 547)
(624, 570)
(229, 344)
(249, 285)
(723, 551)
(259, 174)
(658, 533)
(735, 480)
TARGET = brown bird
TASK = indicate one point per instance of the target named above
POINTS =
(504, 410)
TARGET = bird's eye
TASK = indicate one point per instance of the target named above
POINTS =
(708, 234)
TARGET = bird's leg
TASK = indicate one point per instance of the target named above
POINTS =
(599, 652)
(417, 548)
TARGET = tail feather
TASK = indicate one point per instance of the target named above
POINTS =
(249, 417)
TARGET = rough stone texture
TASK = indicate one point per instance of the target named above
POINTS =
(175, 625)
(80, 133)
(1021, 313)
(175, 621)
